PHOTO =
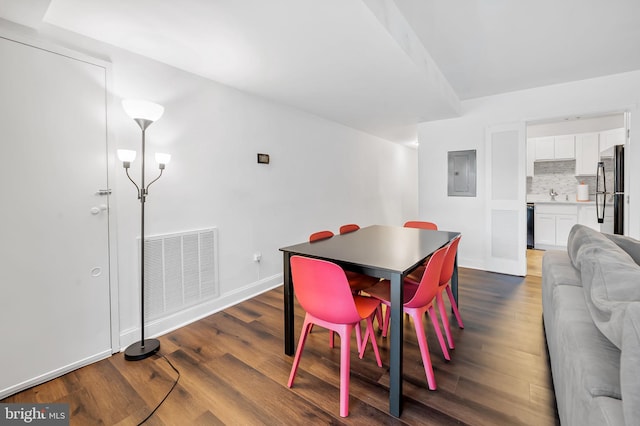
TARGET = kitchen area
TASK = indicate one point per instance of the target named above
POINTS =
(575, 174)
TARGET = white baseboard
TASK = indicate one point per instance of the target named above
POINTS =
(53, 374)
(194, 313)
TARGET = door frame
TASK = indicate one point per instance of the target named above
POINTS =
(632, 201)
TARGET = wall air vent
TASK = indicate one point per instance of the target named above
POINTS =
(181, 270)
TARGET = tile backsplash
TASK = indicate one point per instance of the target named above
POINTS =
(560, 175)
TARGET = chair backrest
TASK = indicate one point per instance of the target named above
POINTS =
(322, 289)
(320, 235)
(449, 261)
(420, 224)
(428, 287)
(345, 229)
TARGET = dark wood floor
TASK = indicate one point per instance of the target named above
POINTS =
(233, 371)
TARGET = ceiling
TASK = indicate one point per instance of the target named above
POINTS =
(380, 66)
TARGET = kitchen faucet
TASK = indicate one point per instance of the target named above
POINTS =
(553, 194)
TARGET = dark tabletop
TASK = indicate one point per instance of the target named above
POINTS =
(389, 248)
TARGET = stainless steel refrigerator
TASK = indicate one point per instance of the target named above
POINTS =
(610, 190)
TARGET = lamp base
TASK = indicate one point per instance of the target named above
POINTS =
(137, 351)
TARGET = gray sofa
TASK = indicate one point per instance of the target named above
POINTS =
(591, 312)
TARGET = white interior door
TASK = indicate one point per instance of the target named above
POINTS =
(54, 249)
(506, 199)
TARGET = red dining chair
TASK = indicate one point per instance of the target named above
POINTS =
(418, 300)
(357, 281)
(320, 235)
(416, 274)
(421, 225)
(445, 285)
(323, 291)
(351, 227)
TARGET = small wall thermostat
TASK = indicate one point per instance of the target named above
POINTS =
(263, 158)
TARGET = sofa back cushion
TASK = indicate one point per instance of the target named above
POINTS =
(611, 280)
(628, 244)
(579, 237)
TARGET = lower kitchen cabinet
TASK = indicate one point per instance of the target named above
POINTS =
(553, 222)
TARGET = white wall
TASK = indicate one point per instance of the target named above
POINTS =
(322, 175)
(588, 97)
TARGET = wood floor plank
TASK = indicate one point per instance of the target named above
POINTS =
(233, 370)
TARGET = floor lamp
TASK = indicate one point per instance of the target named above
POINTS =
(144, 113)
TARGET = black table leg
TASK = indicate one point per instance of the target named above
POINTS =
(395, 370)
(454, 280)
(289, 343)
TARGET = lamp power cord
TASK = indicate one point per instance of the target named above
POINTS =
(168, 393)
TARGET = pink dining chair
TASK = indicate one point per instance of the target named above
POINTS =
(445, 286)
(357, 282)
(421, 225)
(418, 300)
(323, 291)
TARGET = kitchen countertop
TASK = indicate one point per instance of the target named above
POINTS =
(585, 203)
(560, 199)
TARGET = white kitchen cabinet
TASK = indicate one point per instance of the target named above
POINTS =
(610, 138)
(553, 222)
(564, 147)
(587, 154)
(587, 216)
(544, 148)
(545, 230)
(564, 223)
(554, 147)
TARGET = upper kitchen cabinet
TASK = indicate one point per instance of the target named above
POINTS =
(587, 154)
(554, 147)
(610, 138)
(564, 147)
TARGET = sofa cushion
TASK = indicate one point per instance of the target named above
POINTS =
(630, 365)
(628, 244)
(558, 270)
(603, 411)
(611, 280)
(588, 357)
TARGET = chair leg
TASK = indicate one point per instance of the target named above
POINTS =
(345, 367)
(385, 323)
(370, 333)
(445, 319)
(454, 306)
(306, 329)
(436, 325)
(379, 316)
(424, 349)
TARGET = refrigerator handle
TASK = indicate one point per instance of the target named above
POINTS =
(600, 194)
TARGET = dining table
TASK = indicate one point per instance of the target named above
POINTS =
(388, 252)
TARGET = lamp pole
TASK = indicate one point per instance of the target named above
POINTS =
(136, 109)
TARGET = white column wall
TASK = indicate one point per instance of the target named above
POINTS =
(606, 94)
